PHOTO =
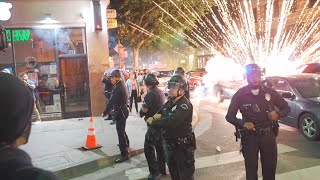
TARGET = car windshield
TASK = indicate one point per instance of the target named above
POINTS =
(309, 88)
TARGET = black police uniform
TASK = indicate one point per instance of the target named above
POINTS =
(108, 87)
(179, 140)
(154, 101)
(118, 102)
(254, 108)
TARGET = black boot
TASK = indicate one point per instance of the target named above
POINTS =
(122, 159)
(153, 176)
(109, 118)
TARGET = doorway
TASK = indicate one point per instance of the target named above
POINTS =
(75, 94)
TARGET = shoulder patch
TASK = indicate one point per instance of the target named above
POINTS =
(184, 106)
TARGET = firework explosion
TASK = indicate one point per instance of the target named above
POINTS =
(266, 32)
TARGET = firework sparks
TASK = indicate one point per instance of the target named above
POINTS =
(272, 36)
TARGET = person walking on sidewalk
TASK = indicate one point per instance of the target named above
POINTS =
(259, 124)
(118, 102)
(153, 146)
(31, 85)
(108, 87)
(16, 108)
(133, 90)
(175, 121)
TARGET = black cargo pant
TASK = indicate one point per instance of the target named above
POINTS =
(121, 116)
(154, 151)
(252, 144)
(180, 161)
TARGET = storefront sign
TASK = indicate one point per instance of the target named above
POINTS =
(112, 23)
(18, 35)
(5, 14)
(111, 13)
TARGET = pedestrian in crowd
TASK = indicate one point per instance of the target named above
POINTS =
(108, 87)
(32, 86)
(180, 71)
(118, 102)
(153, 146)
(16, 107)
(133, 90)
(175, 121)
(143, 88)
(259, 126)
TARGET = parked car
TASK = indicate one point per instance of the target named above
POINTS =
(195, 78)
(302, 92)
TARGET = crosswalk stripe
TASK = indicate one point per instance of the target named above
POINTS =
(231, 157)
(311, 173)
(204, 162)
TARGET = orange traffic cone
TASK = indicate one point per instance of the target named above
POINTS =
(91, 142)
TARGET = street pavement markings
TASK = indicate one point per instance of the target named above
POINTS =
(311, 173)
(231, 157)
(117, 168)
(287, 128)
(205, 162)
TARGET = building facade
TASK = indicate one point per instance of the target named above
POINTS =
(63, 47)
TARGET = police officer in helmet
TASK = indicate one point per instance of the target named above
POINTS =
(118, 102)
(180, 71)
(175, 121)
(258, 127)
(153, 146)
(16, 107)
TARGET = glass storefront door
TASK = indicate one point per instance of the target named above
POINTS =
(74, 83)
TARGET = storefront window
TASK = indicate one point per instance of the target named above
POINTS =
(6, 58)
(46, 55)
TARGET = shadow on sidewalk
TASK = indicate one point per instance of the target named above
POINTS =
(93, 166)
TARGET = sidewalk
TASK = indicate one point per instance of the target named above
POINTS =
(54, 145)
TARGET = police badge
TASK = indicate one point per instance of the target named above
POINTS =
(267, 97)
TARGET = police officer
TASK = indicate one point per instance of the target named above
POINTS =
(16, 107)
(108, 87)
(118, 102)
(259, 124)
(153, 103)
(180, 71)
(175, 121)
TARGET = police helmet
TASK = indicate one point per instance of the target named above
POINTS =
(151, 80)
(179, 70)
(178, 80)
(116, 73)
(16, 107)
(250, 68)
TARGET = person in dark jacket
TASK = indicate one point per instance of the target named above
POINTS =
(108, 87)
(16, 107)
(175, 122)
(259, 126)
(153, 146)
(118, 102)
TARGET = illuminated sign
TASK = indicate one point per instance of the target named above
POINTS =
(5, 11)
(18, 35)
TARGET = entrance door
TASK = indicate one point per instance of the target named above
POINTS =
(75, 87)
